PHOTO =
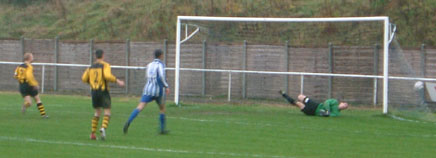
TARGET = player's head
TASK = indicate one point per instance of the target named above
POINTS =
(343, 106)
(99, 54)
(158, 54)
(28, 57)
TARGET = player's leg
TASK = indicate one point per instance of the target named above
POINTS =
(96, 105)
(24, 90)
(136, 111)
(105, 123)
(162, 108)
(141, 105)
(106, 104)
(302, 98)
(40, 106)
(27, 103)
(94, 122)
(310, 105)
(287, 97)
(300, 105)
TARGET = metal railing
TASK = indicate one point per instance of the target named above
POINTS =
(230, 72)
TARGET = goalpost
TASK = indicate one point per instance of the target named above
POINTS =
(387, 34)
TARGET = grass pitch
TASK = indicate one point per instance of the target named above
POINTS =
(206, 130)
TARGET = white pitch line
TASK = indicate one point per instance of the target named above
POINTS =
(32, 140)
(223, 121)
(409, 120)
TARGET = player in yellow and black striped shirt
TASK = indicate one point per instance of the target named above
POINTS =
(98, 76)
(28, 85)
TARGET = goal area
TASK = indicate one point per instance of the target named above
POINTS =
(238, 58)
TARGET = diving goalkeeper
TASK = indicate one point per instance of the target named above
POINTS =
(330, 107)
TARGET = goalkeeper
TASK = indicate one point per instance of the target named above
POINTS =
(330, 107)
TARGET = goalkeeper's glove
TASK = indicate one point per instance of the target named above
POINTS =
(324, 113)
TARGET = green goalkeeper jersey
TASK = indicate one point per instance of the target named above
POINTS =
(330, 105)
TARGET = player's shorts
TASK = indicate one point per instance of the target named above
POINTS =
(26, 90)
(159, 100)
(310, 107)
(101, 99)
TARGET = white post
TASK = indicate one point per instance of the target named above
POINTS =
(302, 84)
(186, 30)
(177, 71)
(229, 92)
(386, 66)
(374, 101)
(42, 78)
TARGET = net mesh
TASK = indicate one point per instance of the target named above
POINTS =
(405, 100)
(318, 47)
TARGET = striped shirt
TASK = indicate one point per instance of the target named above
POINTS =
(156, 79)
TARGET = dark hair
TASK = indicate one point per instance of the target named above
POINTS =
(99, 53)
(157, 53)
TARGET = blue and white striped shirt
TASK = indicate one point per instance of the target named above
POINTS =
(156, 79)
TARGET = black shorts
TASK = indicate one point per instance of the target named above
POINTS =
(26, 90)
(310, 107)
(100, 99)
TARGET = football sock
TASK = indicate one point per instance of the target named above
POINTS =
(41, 109)
(162, 122)
(133, 115)
(105, 122)
(94, 124)
(288, 98)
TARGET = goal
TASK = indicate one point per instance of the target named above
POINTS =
(251, 58)
(255, 57)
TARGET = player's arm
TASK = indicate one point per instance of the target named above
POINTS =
(16, 73)
(334, 107)
(161, 73)
(108, 76)
(30, 78)
(85, 76)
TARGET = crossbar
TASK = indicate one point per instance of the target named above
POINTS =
(261, 19)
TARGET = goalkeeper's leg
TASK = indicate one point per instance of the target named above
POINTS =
(287, 97)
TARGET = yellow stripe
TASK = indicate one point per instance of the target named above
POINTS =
(94, 124)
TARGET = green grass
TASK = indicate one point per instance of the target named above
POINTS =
(206, 130)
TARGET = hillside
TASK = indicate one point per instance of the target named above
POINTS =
(154, 20)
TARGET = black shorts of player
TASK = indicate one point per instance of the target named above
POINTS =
(100, 99)
(26, 90)
(310, 107)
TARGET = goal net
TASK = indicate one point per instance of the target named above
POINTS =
(251, 59)
(356, 60)
(409, 97)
